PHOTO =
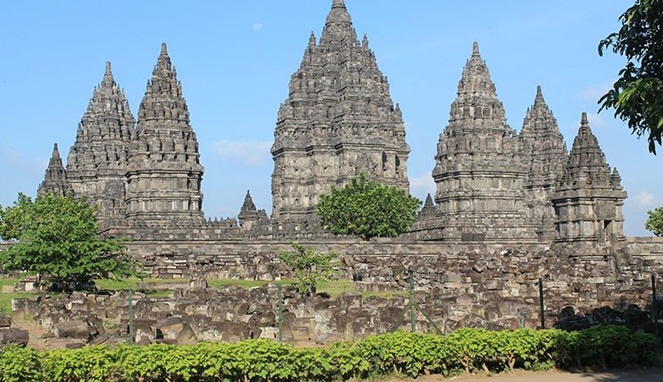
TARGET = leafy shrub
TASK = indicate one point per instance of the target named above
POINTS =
(19, 364)
(403, 353)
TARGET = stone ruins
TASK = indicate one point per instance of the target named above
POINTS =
(509, 208)
(338, 121)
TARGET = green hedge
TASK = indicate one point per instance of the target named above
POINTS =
(410, 354)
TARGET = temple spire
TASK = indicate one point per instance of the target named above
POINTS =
(544, 153)
(108, 75)
(56, 153)
(338, 26)
(538, 99)
(475, 50)
(588, 201)
(587, 164)
(165, 147)
(248, 204)
(478, 141)
(338, 95)
(476, 82)
(55, 177)
(583, 120)
(98, 159)
(163, 63)
(477, 96)
(249, 215)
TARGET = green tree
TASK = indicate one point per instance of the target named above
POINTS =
(308, 266)
(655, 221)
(56, 237)
(637, 96)
(367, 209)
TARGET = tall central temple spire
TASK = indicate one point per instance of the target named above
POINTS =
(165, 174)
(339, 121)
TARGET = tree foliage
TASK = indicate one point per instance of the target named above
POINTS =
(308, 266)
(655, 221)
(367, 209)
(56, 237)
(637, 96)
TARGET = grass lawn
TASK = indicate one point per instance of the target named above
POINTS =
(6, 298)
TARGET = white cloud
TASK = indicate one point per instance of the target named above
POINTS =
(422, 185)
(18, 160)
(594, 92)
(257, 27)
(248, 153)
(646, 199)
(596, 121)
(12, 156)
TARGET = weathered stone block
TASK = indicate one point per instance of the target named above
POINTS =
(76, 328)
(14, 336)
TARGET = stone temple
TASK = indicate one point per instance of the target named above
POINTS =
(499, 192)
(339, 121)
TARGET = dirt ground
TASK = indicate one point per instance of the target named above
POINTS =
(641, 375)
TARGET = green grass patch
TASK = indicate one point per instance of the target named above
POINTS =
(218, 283)
(7, 281)
(158, 293)
(124, 284)
(134, 283)
(6, 300)
(336, 287)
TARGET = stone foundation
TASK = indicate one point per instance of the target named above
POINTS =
(486, 285)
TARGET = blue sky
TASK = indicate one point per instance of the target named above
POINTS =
(235, 58)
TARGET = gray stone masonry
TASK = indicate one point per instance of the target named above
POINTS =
(164, 174)
(479, 174)
(481, 285)
(339, 121)
(588, 201)
(97, 162)
(55, 176)
(544, 152)
(509, 208)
